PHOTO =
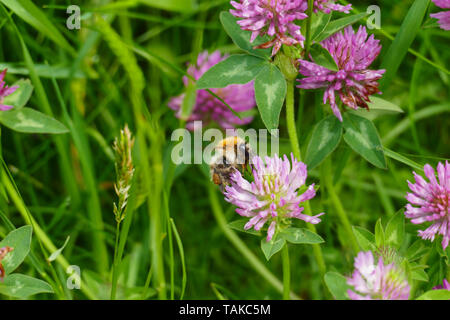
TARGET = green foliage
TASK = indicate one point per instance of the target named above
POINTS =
(19, 240)
(441, 294)
(189, 100)
(291, 234)
(395, 229)
(27, 120)
(417, 250)
(44, 71)
(15, 284)
(300, 236)
(270, 92)
(362, 136)
(31, 121)
(269, 248)
(29, 12)
(405, 36)
(419, 274)
(365, 238)
(270, 85)
(325, 138)
(21, 286)
(337, 284)
(58, 252)
(400, 158)
(320, 22)
(172, 5)
(379, 104)
(337, 25)
(380, 238)
(237, 69)
(323, 58)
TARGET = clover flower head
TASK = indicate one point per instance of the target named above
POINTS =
(377, 281)
(5, 91)
(354, 82)
(327, 6)
(443, 16)
(275, 18)
(273, 197)
(445, 285)
(207, 108)
(430, 202)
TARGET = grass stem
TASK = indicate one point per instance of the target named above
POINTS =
(286, 272)
(292, 131)
(328, 180)
(115, 264)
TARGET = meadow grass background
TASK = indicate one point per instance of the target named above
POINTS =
(123, 66)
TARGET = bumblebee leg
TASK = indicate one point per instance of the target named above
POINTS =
(216, 179)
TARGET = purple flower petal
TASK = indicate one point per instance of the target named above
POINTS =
(430, 202)
(273, 18)
(377, 281)
(273, 194)
(443, 16)
(5, 91)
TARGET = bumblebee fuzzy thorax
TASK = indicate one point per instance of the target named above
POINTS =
(231, 153)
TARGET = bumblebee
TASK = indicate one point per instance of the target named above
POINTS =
(231, 153)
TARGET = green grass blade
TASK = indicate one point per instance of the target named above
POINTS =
(172, 5)
(405, 37)
(398, 157)
(31, 14)
(183, 262)
(403, 125)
